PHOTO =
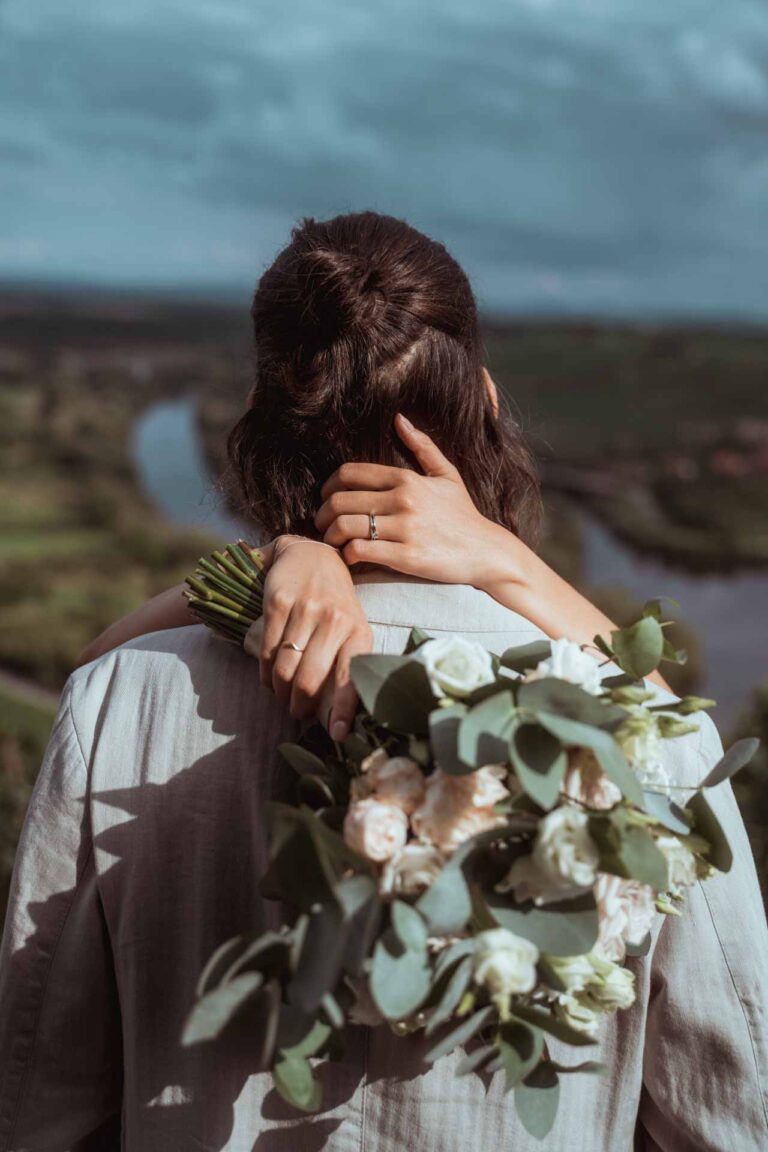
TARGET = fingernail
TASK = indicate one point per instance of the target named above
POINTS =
(339, 731)
(404, 420)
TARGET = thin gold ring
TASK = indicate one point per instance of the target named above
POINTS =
(290, 644)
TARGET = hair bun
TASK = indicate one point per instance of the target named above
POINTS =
(339, 293)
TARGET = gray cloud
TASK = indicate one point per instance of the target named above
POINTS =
(576, 154)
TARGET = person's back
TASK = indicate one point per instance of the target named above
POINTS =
(146, 839)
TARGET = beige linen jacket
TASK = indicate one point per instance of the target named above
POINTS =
(140, 855)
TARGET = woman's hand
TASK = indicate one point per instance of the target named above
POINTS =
(427, 525)
(309, 603)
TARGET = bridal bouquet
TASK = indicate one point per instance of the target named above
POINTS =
(474, 863)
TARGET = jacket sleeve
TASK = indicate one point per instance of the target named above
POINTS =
(60, 1035)
(705, 1075)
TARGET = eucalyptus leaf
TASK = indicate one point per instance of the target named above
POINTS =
(537, 1099)
(609, 755)
(452, 954)
(460, 1034)
(539, 762)
(587, 1066)
(400, 977)
(737, 756)
(485, 730)
(638, 649)
(444, 736)
(569, 702)
(319, 966)
(475, 1061)
(666, 811)
(220, 963)
(520, 1049)
(526, 656)
(563, 928)
(446, 905)
(296, 1084)
(408, 925)
(455, 988)
(267, 953)
(416, 638)
(301, 759)
(707, 825)
(216, 1010)
(550, 1024)
(315, 791)
(299, 1034)
(395, 690)
(629, 850)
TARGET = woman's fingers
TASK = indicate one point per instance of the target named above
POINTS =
(424, 449)
(387, 553)
(286, 659)
(348, 528)
(374, 477)
(316, 665)
(356, 503)
(277, 609)
(345, 698)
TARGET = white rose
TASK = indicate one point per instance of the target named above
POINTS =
(611, 988)
(571, 1011)
(644, 748)
(626, 909)
(397, 780)
(374, 829)
(563, 863)
(586, 783)
(681, 863)
(575, 972)
(569, 662)
(411, 870)
(457, 807)
(455, 666)
(505, 964)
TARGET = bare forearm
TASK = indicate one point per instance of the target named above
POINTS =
(167, 610)
(543, 597)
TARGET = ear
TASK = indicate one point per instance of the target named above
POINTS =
(490, 388)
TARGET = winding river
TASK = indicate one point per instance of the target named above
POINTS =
(729, 613)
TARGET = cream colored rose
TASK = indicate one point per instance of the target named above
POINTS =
(611, 987)
(569, 662)
(411, 870)
(594, 984)
(455, 666)
(681, 863)
(397, 780)
(586, 783)
(575, 972)
(626, 910)
(643, 746)
(571, 1011)
(457, 807)
(505, 964)
(563, 863)
(374, 829)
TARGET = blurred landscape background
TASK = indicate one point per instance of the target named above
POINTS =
(601, 172)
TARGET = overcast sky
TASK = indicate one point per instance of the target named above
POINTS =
(588, 156)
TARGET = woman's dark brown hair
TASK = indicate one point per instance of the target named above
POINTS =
(358, 318)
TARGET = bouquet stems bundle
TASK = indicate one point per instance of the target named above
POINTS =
(226, 591)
